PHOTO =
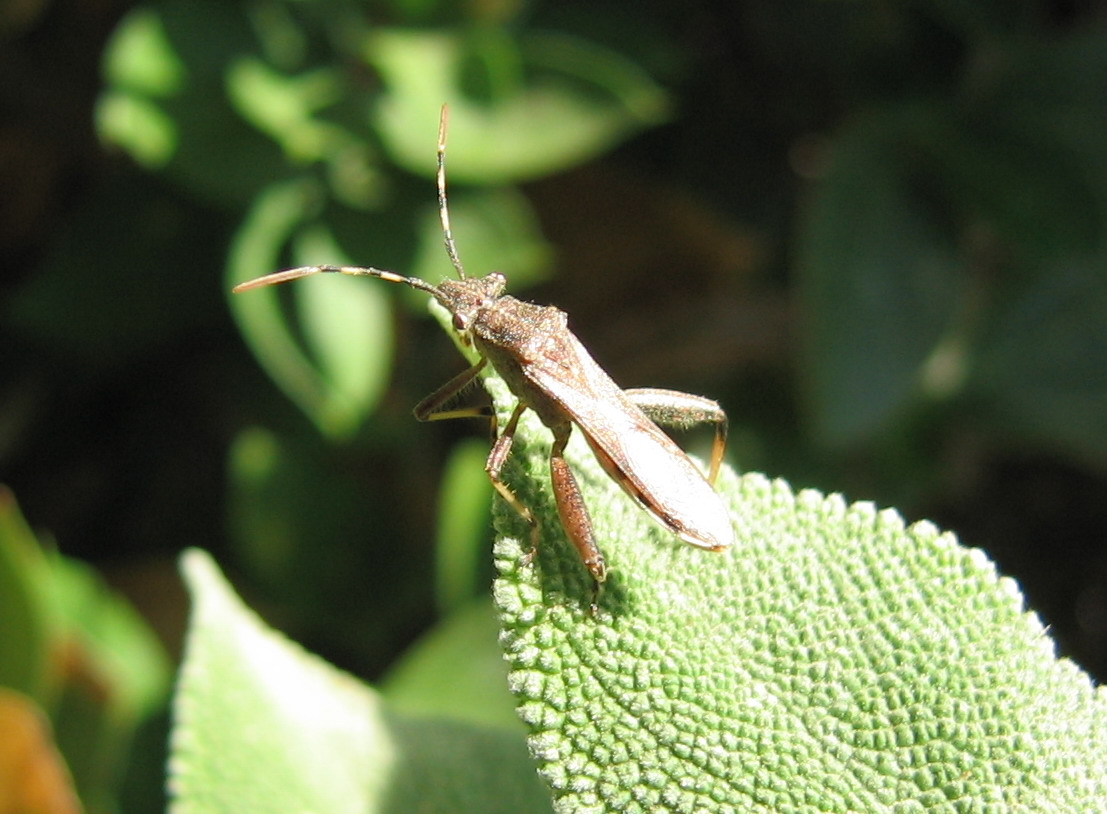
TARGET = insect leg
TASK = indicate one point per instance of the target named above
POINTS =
(495, 464)
(430, 408)
(573, 512)
(671, 408)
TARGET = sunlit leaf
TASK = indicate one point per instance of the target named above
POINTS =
(835, 659)
(263, 726)
(587, 101)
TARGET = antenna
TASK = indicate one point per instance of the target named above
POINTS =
(443, 208)
(353, 271)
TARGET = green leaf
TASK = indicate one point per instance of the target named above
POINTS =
(263, 726)
(1032, 194)
(1049, 95)
(118, 646)
(880, 282)
(29, 620)
(585, 102)
(168, 72)
(1042, 369)
(284, 107)
(495, 229)
(833, 660)
(456, 670)
(463, 531)
(81, 652)
(141, 57)
(338, 371)
(117, 677)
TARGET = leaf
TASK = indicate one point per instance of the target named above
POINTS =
(586, 101)
(456, 670)
(880, 282)
(263, 726)
(168, 98)
(113, 652)
(116, 676)
(495, 229)
(87, 659)
(1043, 362)
(833, 660)
(463, 532)
(1048, 94)
(1033, 195)
(29, 621)
(339, 371)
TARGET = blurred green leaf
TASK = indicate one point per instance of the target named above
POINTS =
(142, 58)
(167, 100)
(117, 676)
(263, 726)
(833, 660)
(495, 229)
(260, 524)
(29, 618)
(116, 641)
(881, 281)
(324, 539)
(289, 501)
(139, 126)
(338, 371)
(1035, 197)
(455, 671)
(80, 651)
(463, 526)
(226, 102)
(1049, 95)
(582, 101)
(348, 327)
(1042, 368)
(284, 107)
(257, 250)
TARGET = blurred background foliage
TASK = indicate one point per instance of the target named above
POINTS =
(873, 230)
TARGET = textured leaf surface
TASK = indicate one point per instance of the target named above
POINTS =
(833, 660)
(263, 726)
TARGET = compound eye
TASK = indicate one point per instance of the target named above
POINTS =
(461, 324)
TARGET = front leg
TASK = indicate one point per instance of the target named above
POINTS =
(671, 408)
(430, 408)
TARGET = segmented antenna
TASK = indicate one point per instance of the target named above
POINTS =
(443, 208)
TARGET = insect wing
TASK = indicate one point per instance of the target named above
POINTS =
(632, 449)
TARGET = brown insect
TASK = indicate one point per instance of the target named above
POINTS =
(550, 372)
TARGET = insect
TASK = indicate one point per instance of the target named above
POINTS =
(550, 372)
